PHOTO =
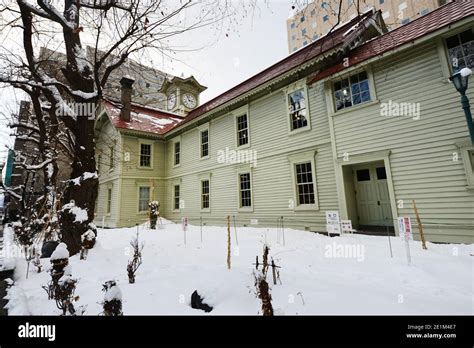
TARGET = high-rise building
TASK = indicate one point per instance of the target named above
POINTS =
(318, 17)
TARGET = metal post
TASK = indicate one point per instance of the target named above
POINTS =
(200, 221)
(408, 251)
(283, 231)
(235, 231)
(467, 112)
(389, 242)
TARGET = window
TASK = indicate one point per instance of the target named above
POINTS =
(294, 49)
(143, 198)
(297, 109)
(292, 25)
(467, 154)
(293, 37)
(205, 194)
(112, 157)
(405, 21)
(205, 143)
(304, 183)
(352, 91)
(424, 11)
(324, 4)
(109, 200)
(302, 19)
(303, 32)
(363, 175)
(242, 130)
(381, 173)
(177, 153)
(325, 18)
(381, 2)
(461, 50)
(145, 155)
(313, 12)
(245, 190)
(315, 37)
(305, 43)
(176, 197)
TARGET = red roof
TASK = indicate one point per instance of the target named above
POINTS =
(437, 19)
(159, 122)
(300, 57)
(143, 119)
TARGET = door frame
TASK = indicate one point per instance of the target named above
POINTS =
(379, 156)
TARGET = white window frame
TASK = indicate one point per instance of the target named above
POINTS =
(237, 113)
(173, 157)
(239, 201)
(138, 198)
(108, 202)
(329, 91)
(301, 84)
(443, 53)
(208, 209)
(145, 142)
(304, 157)
(202, 129)
(176, 183)
(465, 148)
(112, 158)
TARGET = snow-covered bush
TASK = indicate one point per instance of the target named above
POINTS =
(112, 299)
(154, 213)
(87, 242)
(133, 265)
(62, 286)
(261, 284)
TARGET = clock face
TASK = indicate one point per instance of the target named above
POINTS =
(171, 101)
(189, 100)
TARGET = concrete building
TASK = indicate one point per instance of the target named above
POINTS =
(318, 17)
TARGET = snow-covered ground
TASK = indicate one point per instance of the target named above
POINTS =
(315, 279)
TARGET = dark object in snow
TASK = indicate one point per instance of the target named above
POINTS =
(196, 302)
(48, 248)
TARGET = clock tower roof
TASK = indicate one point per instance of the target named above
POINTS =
(179, 81)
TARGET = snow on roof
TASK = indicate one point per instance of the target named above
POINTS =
(435, 20)
(143, 119)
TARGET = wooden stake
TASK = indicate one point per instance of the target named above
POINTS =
(420, 227)
(274, 273)
(228, 241)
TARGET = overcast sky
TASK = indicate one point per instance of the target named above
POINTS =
(224, 61)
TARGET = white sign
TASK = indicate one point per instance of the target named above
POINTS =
(404, 228)
(333, 229)
(253, 221)
(332, 217)
(184, 223)
(346, 225)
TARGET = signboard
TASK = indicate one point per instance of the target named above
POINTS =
(332, 217)
(253, 221)
(332, 222)
(346, 226)
(404, 228)
(333, 229)
(184, 223)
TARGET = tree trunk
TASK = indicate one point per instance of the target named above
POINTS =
(84, 195)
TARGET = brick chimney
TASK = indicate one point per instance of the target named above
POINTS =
(126, 98)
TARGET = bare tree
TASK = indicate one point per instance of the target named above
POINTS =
(117, 29)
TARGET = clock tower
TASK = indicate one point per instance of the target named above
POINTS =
(182, 94)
